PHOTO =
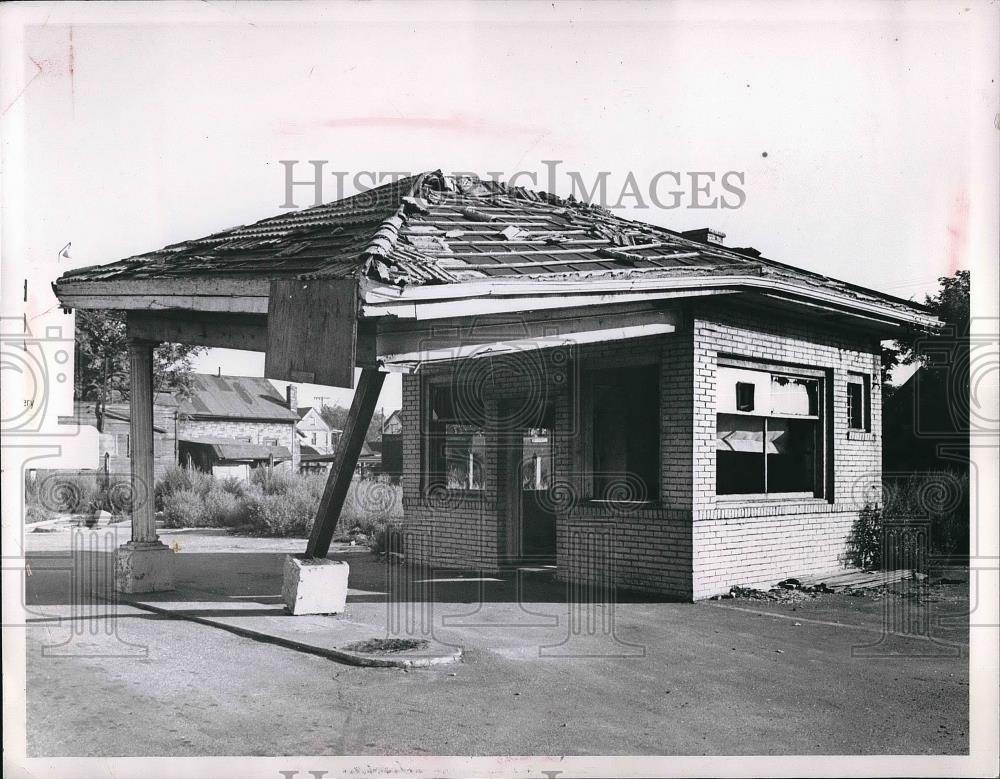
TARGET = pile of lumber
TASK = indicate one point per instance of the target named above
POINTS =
(854, 579)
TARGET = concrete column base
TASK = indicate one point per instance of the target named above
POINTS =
(142, 566)
(315, 585)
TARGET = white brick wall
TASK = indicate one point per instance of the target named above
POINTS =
(688, 544)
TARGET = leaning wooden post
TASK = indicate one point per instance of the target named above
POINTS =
(143, 564)
(342, 470)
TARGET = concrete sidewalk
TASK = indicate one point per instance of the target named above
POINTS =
(542, 676)
(327, 636)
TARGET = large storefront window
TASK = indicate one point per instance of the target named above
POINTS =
(768, 433)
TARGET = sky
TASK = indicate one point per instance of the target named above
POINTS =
(857, 128)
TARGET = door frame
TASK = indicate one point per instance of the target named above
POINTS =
(512, 448)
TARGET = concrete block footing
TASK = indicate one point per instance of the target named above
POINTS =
(144, 566)
(314, 585)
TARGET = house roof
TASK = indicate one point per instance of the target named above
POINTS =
(228, 449)
(304, 410)
(235, 397)
(311, 454)
(434, 231)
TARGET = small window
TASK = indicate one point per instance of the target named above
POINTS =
(858, 402)
(626, 430)
(314, 439)
(456, 444)
(744, 396)
(270, 442)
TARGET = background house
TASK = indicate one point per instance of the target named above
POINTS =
(232, 424)
(113, 434)
(368, 465)
(314, 432)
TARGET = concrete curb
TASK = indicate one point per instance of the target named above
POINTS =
(332, 653)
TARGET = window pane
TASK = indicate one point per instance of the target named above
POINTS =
(739, 456)
(456, 443)
(791, 455)
(536, 467)
(798, 397)
(738, 389)
(465, 457)
(855, 406)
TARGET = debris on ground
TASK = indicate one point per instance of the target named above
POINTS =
(773, 594)
(873, 585)
(384, 646)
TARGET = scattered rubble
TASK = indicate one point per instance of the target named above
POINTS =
(859, 584)
(380, 646)
(774, 594)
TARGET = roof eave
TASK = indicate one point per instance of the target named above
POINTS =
(527, 293)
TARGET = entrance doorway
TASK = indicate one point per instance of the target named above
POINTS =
(538, 519)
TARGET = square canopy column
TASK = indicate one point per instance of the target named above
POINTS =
(144, 564)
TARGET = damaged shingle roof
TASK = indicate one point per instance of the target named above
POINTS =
(439, 229)
(235, 397)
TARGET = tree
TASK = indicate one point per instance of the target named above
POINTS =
(336, 416)
(102, 365)
(951, 306)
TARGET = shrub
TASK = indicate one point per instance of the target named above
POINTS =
(233, 486)
(273, 504)
(183, 508)
(923, 513)
(388, 538)
(223, 509)
(177, 479)
(864, 544)
(291, 514)
(174, 479)
(115, 496)
(64, 492)
(276, 482)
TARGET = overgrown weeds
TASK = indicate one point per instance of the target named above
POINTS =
(921, 515)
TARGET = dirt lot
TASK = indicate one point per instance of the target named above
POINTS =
(834, 674)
